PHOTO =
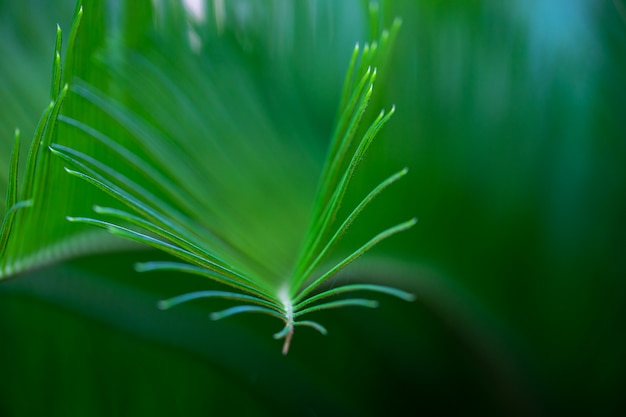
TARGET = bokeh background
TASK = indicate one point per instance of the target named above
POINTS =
(512, 119)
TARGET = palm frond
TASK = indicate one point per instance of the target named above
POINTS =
(185, 141)
(34, 229)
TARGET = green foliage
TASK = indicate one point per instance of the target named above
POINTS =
(36, 207)
(192, 142)
(509, 115)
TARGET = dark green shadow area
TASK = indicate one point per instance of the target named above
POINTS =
(87, 343)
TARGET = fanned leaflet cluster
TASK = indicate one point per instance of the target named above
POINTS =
(294, 299)
(164, 208)
(26, 204)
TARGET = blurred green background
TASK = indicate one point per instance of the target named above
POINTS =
(512, 119)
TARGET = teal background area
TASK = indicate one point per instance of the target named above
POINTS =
(511, 117)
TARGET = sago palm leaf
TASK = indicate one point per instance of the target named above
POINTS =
(207, 152)
(34, 230)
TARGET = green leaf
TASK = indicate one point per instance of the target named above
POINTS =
(178, 136)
